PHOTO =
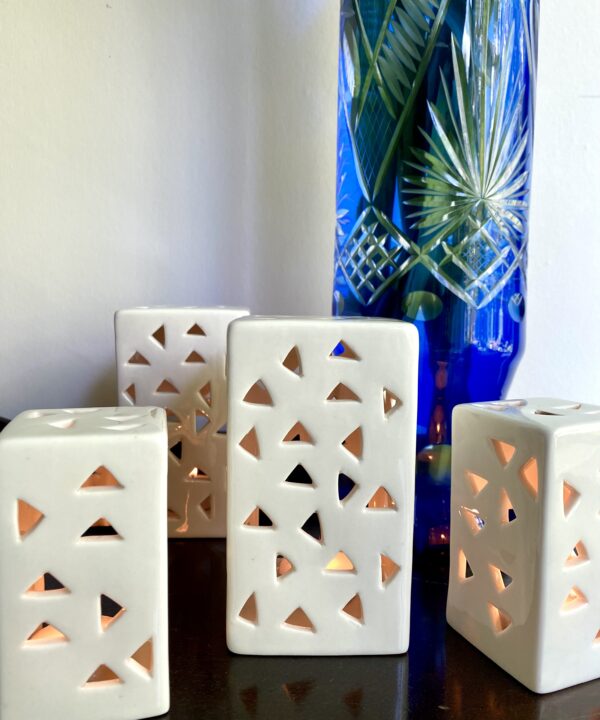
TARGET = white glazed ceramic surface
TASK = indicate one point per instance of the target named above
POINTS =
(525, 538)
(292, 591)
(83, 620)
(175, 358)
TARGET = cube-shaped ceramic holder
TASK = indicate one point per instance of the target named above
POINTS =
(321, 452)
(83, 565)
(175, 358)
(525, 538)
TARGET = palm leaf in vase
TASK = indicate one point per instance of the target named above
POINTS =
(470, 191)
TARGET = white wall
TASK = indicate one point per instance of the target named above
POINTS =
(183, 152)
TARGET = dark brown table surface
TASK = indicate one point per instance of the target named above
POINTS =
(441, 676)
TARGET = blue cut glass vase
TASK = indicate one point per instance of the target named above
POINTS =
(435, 135)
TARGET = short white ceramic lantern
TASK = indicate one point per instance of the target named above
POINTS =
(175, 358)
(322, 424)
(83, 565)
(525, 538)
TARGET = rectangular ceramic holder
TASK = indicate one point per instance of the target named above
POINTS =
(83, 565)
(524, 578)
(175, 358)
(321, 454)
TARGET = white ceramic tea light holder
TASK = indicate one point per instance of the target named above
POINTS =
(321, 452)
(83, 565)
(525, 538)
(175, 358)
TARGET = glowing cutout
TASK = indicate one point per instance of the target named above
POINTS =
(47, 584)
(574, 600)
(354, 443)
(340, 562)
(504, 451)
(283, 566)
(45, 633)
(577, 555)
(258, 394)
(381, 500)
(249, 611)
(354, 609)
(298, 433)
(101, 479)
(343, 392)
(101, 676)
(299, 620)
(501, 620)
(473, 519)
(529, 477)
(570, 498)
(389, 569)
(28, 518)
(502, 580)
(249, 443)
(101, 530)
(143, 657)
(507, 512)
(110, 611)
(258, 518)
(476, 482)
(206, 394)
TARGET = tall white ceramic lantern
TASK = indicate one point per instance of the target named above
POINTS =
(175, 358)
(322, 416)
(83, 565)
(525, 538)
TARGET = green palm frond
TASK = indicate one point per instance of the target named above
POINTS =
(468, 177)
(403, 49)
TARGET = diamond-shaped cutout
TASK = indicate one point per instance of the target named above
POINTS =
(160, 336)
(258, 394)
(101, 479)
(28, 518)
(344, 393)
(354, 443)
(249, 611)
(46, 633)
(110, 611)
(298, 434)
(381, 500)
(476, 482)
(292, 362)
(354, 609)
(299, 620)
(343, 351)
(340, 562)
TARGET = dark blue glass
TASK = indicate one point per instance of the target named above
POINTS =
(435, 134)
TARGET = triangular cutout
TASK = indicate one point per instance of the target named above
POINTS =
(194, 358)
(101, 530)
(249, 611)
(343, 350)
(172, 515)
(103, 675)
(299, 620)
(258, 394)
(160, 336)
(464, 569)
(389, 569)
(207, 506)
(28, 518)
(346, 487)
(101, 479)
(167, 386)
(138, 359)
(504, 451)
(354, 443)
(258, 518)
(354, 609)
(473, 519)
(46, 633)
(283, 566)
(249, 443)
(206, 394)
(110, 611)
(144, 657)
(343, 392)
(312, 527)
(529, 477)
(391, 402)
(507, 511)
(340, 562)
(501, 620)
(476, 482)
(47, 583)
(577, 555)
(196, 330)
(201, 420)
(381, 500)
(292, 362)
(197, 474)
(597, 638)
(222, 430)
(574, 600)
(130, 393)
(176, 450)
(299, 476)
(298, 433)
(570, 498)
(502, 580)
